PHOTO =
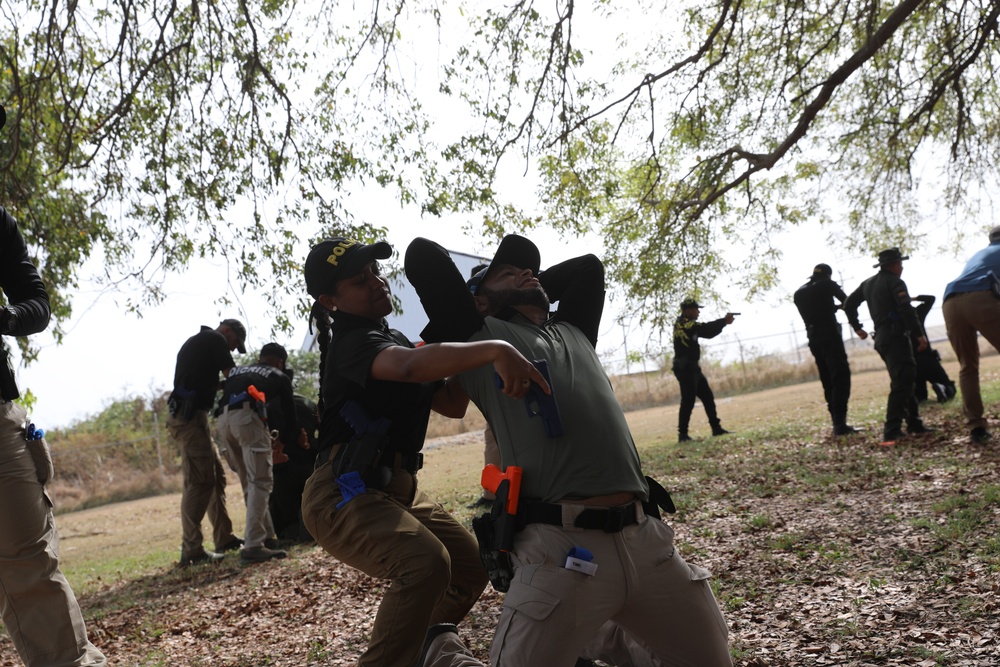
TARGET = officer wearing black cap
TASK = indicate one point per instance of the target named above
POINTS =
(582, 490)
(38, 607)
(363, 504)
(815, 301)
(245, 423)
(196, 380)
(687, 369)
(894, 320)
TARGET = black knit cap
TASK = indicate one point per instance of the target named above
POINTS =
(338, 258)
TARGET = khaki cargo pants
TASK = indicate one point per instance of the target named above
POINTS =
(398, 534)
(38, 607)
(204, 484)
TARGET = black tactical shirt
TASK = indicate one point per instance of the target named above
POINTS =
(277, 389)
(888, 304)
(687, 349)
(199, 362)
(27, 309)
(816, 306)
(347, 376)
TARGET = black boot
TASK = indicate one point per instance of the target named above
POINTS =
(844, 429)
(718, 430)
(683, 437)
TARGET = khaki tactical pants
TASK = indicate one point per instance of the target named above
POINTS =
(644, 606)
(398, 534)
(246, 444)
(204, 484)
(38, 607)
(966, 315)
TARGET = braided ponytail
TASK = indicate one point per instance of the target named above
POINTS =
(321, 317)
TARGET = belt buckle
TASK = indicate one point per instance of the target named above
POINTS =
(615, 521)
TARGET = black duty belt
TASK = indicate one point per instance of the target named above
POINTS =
(608, 519)
(245, 405)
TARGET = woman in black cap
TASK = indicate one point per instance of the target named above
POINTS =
(362, 504)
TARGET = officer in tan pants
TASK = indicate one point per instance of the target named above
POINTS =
(37, 604)
(196, 380)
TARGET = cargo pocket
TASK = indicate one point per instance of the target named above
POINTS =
(700, 577)
(42, 458)
(523, 604)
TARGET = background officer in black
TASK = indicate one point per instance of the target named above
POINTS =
(818, 310)
(894, 320)
(687, 354)
(290, 476)
(196, 380)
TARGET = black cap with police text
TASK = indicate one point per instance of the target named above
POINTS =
(689, 303)
(241, 334)
(338, 258)
(274, 350)
(515, 251)
(889, 256)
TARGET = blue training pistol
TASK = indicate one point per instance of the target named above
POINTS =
(540, 404)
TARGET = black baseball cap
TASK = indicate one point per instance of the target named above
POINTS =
(514, 250)
(338, 258)
(274, 350)
(689, 303)
(823, 270)
(889, 256)
(241, 334)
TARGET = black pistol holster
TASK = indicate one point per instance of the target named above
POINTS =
(495, 534)
(363, 454)
(181, 404)
(497, 563)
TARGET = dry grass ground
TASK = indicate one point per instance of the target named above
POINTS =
(825, 551)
